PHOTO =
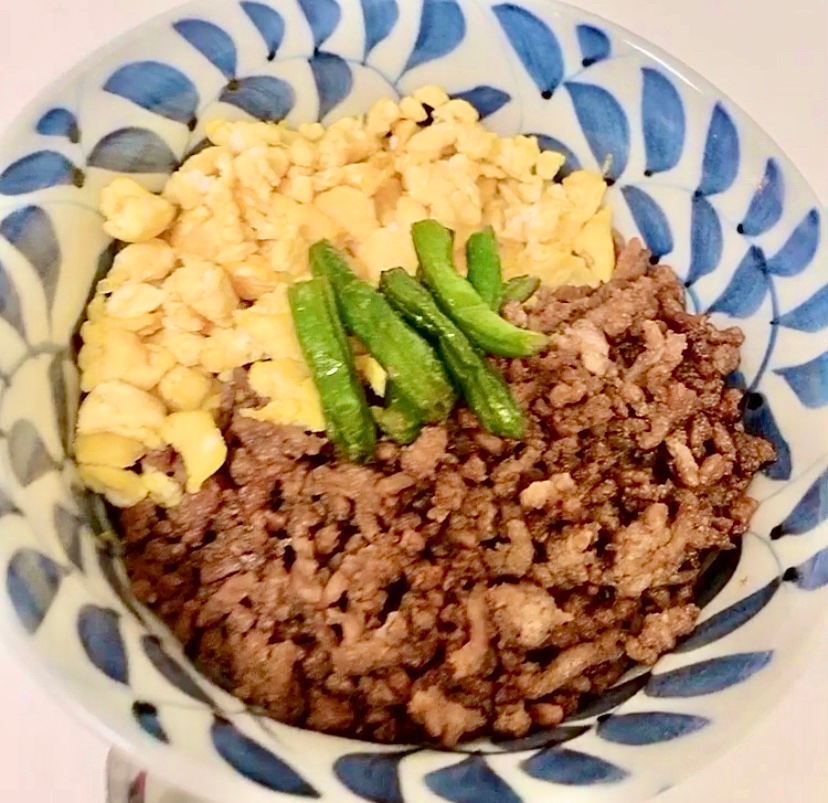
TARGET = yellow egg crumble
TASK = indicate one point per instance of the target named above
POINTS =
(201, 287)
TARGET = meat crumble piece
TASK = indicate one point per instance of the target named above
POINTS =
(423, 457)
(525, 616)
(443, 719)
(467, 584)
(544, 492)
(571, 664)
(470, 659)
(660, 633)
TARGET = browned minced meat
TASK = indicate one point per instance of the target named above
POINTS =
(466, 584)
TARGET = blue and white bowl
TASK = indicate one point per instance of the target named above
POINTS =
(707, 190)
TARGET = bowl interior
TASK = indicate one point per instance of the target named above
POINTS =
(707, 191)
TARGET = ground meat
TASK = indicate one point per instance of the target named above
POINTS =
(467, 584)
(423, 457)
(660, 633)
(570, 665)
(442, 718)
(525, 615)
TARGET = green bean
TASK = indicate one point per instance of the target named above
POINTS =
(328, 354)
(410, 362)
(398, 420)
(460, 301)
(520, 289)
(485, 390)
(485, 271)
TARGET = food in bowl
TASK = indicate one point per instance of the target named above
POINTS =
(329, 532)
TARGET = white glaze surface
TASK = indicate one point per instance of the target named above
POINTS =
(774, 68)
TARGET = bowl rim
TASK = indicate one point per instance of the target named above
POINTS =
(213, 783)
(677, 67)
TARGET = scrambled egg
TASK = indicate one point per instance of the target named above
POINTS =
(200, 288)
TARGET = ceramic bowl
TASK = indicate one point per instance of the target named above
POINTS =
(692, 174)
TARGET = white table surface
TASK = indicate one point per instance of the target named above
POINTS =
(771, 58)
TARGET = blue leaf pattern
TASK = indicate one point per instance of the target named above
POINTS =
(68, 527)
(759, 420)
(100, 634)
(548, 143)
(373, 776)
(146, 715)
(663, 121)
(380, 18)
(800, 248)
(716, 573)
(721, 154)
(172, 670)
(334, 80)
(212, 42)
(706, 239)
(38, 171)
(612, 698)
(158, 88)
(809, 512)
(646, 728)
(470, 781)
(261, 96)
(730, 619)
(571, 768)
(269, 23)
(32, 583)
(256, 763)
(31, 231)
(604, 124)
(594, 43)
(442, 28)
(10, 308)
(133, 150)
(766, 205)
(536, 46)
(30, 459)
(809, 381)
(59, 123)
(486, 99)
(650, 220)
(747, 289)
(813, 574)
(322, 16)
(810, 316)
(708, 677)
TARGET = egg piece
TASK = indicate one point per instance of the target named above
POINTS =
(595, 244)
(132, 213)
(122, 409)
(294, 398)
(107, 449)
(195, 436)
(121, 488)
(162, 489)
(373, 373)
